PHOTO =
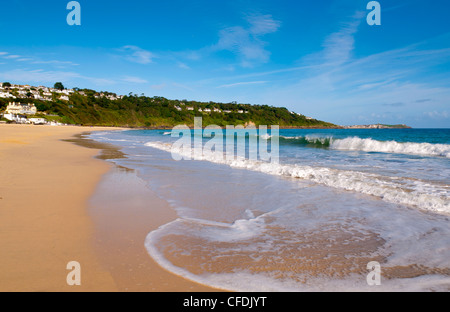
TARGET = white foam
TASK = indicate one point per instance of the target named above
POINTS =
(263, 282)
(414, 193)
(370, 145)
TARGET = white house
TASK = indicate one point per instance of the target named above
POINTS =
(37, 121)
(21, 109)
(16, 118)
(64, 98)
(6, 95)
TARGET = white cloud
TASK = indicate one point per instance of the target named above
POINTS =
(247, 42)
(11, 56)
(137, 55)
(183, 65)
(52, 62)
(263, 24)
(134, 79)
(241, 84)
(437, 115)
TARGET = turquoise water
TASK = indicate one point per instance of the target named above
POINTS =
(336, 200)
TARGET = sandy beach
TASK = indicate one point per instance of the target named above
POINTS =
(48, 217)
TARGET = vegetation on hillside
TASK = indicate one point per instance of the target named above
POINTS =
(90, 108)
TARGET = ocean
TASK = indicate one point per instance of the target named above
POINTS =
(333, 202)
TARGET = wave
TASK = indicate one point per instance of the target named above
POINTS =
(367, 145)
(314, 141)
(370, 145)
(405, 191)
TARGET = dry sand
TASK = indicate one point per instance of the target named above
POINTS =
(47, 218)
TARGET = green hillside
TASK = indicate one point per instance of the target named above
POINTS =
(90, 108)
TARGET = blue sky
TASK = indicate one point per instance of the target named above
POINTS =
(318, 58)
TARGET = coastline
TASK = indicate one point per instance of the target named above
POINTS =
(124, 210)
(47, 218)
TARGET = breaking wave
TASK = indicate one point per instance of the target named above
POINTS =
(368, 145)
(405, 191)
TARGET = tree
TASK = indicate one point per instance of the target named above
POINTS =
(59, 86)
(6, 85)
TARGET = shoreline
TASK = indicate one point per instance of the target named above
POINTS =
(124, 211)
(47, 220)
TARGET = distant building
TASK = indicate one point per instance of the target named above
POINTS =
(6, 95)
(64, 98)
(37, 121)
(21, 109)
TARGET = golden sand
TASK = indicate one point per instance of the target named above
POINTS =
(45, 223)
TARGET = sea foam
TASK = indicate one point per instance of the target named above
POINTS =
(370, 145)
(410, 192)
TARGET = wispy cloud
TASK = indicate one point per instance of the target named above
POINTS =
(338, 46)
(183, 65)
(137, 55)
(246, 42)
(262, 24)
(38, 75)
(52, 62)
(241, 84)
(35, 60)
(11, 56)
(158, 86)
(333, 80)
(48, 76)
(134, 79)
(437, 115)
